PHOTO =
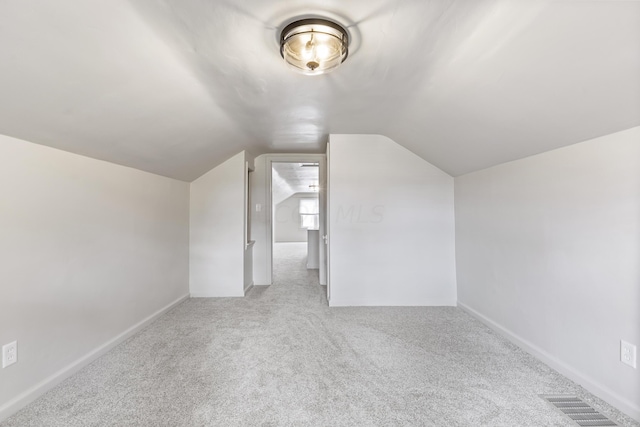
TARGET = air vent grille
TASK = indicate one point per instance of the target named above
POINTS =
(580, 412)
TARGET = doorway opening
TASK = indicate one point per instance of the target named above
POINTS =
(298, 224)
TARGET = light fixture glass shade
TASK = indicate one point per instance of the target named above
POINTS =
(314, 46)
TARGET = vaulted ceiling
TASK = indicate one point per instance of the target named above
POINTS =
(175, 87)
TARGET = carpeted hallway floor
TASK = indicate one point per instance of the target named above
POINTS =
(282, 357)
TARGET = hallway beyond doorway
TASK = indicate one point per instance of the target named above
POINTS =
(290, 273)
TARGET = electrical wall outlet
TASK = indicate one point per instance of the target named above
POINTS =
(628, 353)
(9, 354)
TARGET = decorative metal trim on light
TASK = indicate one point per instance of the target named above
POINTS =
(314, 46)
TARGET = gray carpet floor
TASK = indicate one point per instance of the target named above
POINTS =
(282, 357)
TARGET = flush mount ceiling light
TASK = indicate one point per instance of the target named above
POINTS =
(314, 46)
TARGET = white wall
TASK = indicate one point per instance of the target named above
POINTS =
(287, 219)
(88, 251)
(217, 244)
(391, 225)
(548, 249)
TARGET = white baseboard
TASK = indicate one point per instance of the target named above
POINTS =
(334, 302)
(22, 400)
(593, 386)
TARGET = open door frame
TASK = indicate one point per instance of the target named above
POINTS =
(299, 158)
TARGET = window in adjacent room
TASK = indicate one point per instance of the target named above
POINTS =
(309, 213)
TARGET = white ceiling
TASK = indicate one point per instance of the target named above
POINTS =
(289, 178)
(176, 87)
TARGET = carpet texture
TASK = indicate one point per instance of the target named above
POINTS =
(282, 357)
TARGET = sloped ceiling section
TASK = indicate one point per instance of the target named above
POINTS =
(92, 78)
(176, 87)
(290, 178)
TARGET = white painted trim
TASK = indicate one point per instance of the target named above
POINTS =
(22, 400)
(429, 303)
(284, 158)
(603, 392)
(247, 213)
(323, 249)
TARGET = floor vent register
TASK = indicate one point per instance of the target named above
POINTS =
(580, 412)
